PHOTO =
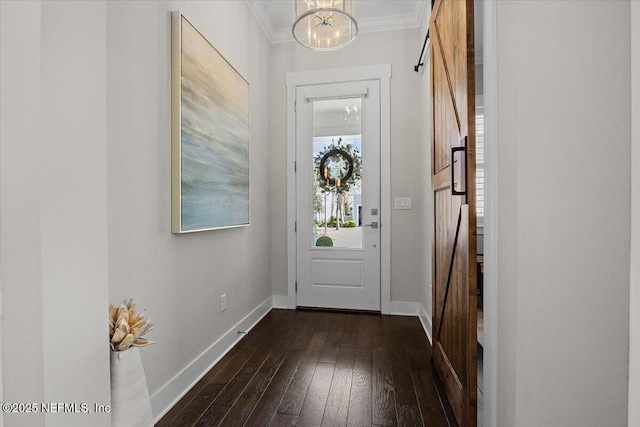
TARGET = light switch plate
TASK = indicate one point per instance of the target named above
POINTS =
(402, 203)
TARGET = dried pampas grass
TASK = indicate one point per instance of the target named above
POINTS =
(126, 328)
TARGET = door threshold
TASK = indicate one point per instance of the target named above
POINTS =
(338, 310)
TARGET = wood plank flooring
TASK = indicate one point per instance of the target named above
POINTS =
(313, 368)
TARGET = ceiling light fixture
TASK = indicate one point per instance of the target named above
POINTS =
(324, 24)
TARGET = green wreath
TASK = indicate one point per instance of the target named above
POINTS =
(330, 155)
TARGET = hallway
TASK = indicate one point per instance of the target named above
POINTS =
(319, 368)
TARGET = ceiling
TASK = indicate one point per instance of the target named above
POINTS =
(277, 16)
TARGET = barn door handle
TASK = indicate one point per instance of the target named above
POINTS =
(454, 150)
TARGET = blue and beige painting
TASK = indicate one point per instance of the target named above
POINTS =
(215, 138)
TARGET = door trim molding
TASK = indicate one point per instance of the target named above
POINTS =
(382, 73)
(490, 292)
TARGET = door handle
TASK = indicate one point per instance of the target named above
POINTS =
(374, 224)
(454, 150)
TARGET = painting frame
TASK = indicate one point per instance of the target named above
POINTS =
(210, 135)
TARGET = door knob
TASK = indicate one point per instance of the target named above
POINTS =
(374, 224)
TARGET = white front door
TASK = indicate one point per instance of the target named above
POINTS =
(338, 195)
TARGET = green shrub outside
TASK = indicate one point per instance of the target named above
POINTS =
(324, 241)
(332, 223)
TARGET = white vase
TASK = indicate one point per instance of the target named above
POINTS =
(130, 403)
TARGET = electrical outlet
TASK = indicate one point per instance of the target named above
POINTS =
(223, 302)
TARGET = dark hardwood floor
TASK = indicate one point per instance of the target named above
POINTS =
(312, 368)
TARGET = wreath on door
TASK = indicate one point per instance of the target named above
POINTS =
(336, 167)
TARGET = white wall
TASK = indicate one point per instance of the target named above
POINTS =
(73, 207)
(634, 300)
(426, 134)
(20, 260)
(410, 257)
(179, 278)
(54, 219)
(563, 212)
(85, 197)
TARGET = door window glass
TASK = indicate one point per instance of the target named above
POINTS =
(337, 173)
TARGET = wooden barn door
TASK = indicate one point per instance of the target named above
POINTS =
(453, 184)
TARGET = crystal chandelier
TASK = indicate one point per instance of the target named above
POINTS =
(324, 24)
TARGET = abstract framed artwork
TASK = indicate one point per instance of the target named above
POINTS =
(210, 135)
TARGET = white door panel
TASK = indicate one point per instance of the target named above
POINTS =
(340, 273)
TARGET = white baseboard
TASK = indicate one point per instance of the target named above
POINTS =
(426, 322)
(170, 393)
(280, 301)
(404, 308)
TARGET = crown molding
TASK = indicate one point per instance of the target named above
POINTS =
(370, 25)
(394, 22)
(260, 12)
